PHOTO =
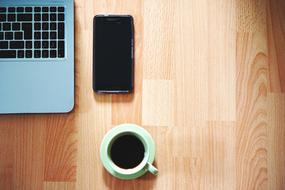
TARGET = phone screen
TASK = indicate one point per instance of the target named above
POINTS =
(113, 54)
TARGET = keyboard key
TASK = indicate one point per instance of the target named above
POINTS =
(8, 35)
(29, 44)
(52, 53)
(11, 17)
(45, 53)
(52, 35)
(16, 44)
(52, 17)
(21, 53)
(37, 44)
(61, 49)
(6, 26)
(45, 35)
(37, 17)
(7, 54)
(1, 35)
(37, 9)
(60, 9)
(37, 53)
(45, 17)
(27, 27)
(11, 9)
(45, 44)
(3, 45)
(28, 9)
(0, 26)
(37, 35)
(52, 26)
(29, 53)
(61, 53)
(24, 17)
(2, 17)
(60, 44)
(45, 9)
(20, 9)
(52, 9)
(37, 26)
(2, 9)
(52, 44)
(60, 17)
(45, 26)
(60, 30)
(16, 26)
(18, 35)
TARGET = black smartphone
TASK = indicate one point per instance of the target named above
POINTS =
(113, 54)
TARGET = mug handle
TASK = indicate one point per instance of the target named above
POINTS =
(152, 169)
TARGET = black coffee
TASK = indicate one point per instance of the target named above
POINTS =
(127, 151)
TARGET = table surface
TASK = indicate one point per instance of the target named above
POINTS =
(209, 87)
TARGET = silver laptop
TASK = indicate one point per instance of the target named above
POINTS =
(36, 56)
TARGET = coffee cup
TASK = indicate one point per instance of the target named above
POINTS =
(127, 152)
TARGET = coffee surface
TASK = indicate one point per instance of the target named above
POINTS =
(127, 151)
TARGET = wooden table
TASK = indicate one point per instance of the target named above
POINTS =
(209, 87)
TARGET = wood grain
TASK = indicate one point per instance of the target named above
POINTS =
(28, 158)
(60, 148)
(157, 103)
(209, 87)
(191, 62)
(252, 97)
(6, 151)
(59, 186)
(159, 23)
(276, 42)
(210, 157)
(276, 158)
(252, 123)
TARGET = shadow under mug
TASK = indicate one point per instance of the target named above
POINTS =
(149, 152)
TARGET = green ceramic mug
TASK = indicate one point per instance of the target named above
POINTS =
(138, 133)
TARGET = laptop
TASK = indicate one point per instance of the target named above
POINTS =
(36, 56)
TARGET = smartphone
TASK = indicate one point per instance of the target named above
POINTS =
(113, 54)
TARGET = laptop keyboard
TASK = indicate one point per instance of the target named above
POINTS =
(32, 32)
